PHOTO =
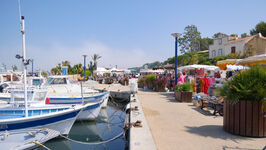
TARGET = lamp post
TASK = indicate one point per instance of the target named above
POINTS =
(176, 35)
(84, 65)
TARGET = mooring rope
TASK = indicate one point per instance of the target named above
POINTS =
(93, 143)
(36, 142)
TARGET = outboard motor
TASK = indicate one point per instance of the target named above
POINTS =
(2, 87)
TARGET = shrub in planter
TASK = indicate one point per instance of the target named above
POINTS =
(160, 84)
(244, 105)
(183, 92)
(150, 80)
(142, 82)
(186, 87)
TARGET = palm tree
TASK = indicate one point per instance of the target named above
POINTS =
(14, 68)
(95, 58)
(77, 69)
(65, 63)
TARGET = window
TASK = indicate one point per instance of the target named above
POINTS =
(37, 82)
(59, 81)
(220, 52)
(220, 41)
(213, 53)
(233, 50)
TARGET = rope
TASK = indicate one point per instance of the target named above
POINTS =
(93, 143)
(41, 145)
(36, 142)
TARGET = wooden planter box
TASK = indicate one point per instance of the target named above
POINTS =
(140, 85)
(183, 96)
(244, 118)
(177, 95)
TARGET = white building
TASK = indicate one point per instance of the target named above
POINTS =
(224, 45)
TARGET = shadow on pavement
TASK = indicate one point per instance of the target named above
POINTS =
(213, 131)
(170, 96)
(238, 148)
(204, 111)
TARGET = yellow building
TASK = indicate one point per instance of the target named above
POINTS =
(255, 46)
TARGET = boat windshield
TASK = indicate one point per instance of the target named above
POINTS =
(57, 81)
(37, 82)
(49, 80)
(40, 96)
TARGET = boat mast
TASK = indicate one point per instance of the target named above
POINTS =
(24, 61)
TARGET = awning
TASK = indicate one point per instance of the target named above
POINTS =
(253, 60)
(222, 64)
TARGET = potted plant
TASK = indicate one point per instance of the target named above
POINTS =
(183, 92)
(244, 105)
(160, 84)
(150, 80)
(142, 82)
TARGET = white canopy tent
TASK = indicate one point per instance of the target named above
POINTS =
(235, 67)
(151, 71)
(206, 67)
(101, 71)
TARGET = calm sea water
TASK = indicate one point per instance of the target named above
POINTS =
(109, 123)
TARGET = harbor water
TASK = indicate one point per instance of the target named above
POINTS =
(109, 124)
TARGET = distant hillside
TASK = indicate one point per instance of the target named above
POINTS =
(150, 65)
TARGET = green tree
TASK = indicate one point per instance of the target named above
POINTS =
(244, 35)
(65, 63)
(259, 28)
(57, 70)
(95, 58)
(234, 35)
(14, 68)
(88, 73)
(44, 74)
(190, 40)
(216, 35)
(204, 43)
(78, 69)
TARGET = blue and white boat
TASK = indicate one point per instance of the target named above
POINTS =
(14, 116)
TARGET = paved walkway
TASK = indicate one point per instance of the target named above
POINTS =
(176, 125)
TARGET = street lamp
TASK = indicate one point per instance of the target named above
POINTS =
(176, 35)
(84, 65)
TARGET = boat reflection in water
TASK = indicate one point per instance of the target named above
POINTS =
(109, 123)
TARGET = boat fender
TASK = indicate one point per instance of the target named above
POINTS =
(47, 101)
(5, 135)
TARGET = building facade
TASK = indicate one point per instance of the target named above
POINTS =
(251, 45)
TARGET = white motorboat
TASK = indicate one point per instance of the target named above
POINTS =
(61, 91)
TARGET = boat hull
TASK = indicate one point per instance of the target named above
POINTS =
(90, 112)
(105, 101)
(59, 121)
(75, 99)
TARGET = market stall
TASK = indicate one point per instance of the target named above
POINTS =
(253, 60)
(223, 63)
(199, 70)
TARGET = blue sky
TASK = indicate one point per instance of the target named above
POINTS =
(125, 33)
